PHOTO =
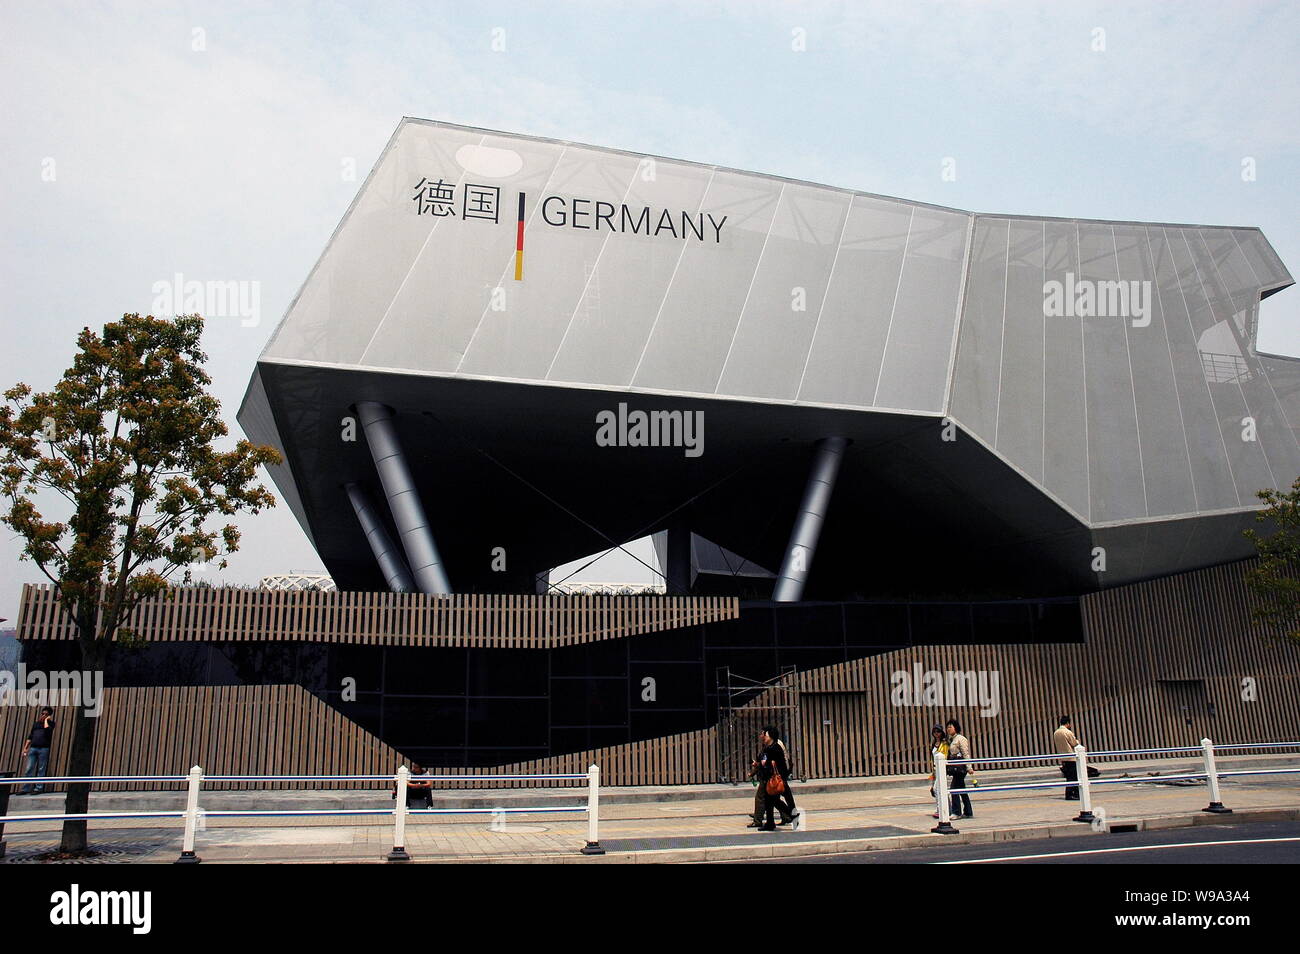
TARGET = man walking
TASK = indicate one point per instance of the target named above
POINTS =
(36, 750)
(761, 768)
(760, 796)
(959, 751)
(1063, 741)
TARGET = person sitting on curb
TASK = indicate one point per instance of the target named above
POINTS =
(419, 788)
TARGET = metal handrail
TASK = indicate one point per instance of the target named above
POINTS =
(51, 780)
(1114, 752)
(388, 778)
(88, 816)
(400, 780)
(1083, 783)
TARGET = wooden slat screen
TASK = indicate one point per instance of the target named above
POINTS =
(1121, 684)
(517, 621)
(230, 730)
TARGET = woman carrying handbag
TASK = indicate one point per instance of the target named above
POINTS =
(773, 772)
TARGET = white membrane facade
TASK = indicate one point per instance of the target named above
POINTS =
(1102, 376)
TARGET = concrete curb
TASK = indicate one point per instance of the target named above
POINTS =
(759, 852)
(767, 850)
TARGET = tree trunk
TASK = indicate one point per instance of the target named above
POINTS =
(81, 757)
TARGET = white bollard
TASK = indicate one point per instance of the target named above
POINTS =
(188, 857)
(1085, 792)
(941, 793)
(399, 816)
(1212, 776)
(593, 812)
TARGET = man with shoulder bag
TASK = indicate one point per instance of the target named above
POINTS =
(1064, 741)
(958, 750)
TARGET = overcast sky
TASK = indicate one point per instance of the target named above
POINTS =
(215, 140)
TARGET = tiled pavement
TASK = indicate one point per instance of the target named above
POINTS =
(665, 829)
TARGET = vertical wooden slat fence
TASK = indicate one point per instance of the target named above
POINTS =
(1154, 655)
(221, 614)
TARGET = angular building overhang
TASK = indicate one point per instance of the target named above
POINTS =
(499, 292)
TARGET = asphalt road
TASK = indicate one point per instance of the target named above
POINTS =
(1249, 843)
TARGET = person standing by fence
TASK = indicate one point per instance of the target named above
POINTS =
(958, 748)
(36, 750)
(1063, 741)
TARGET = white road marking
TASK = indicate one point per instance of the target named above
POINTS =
(1106, 851)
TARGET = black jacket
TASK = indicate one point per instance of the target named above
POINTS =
(773, 757)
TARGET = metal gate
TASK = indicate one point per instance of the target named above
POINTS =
(745, 708)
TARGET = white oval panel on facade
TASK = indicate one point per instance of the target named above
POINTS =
(489, 161)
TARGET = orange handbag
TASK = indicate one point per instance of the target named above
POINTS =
(775, 784)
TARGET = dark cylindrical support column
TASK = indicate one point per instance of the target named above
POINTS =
(677, 578)
(386, 553)
(403, 500)
(827, 455)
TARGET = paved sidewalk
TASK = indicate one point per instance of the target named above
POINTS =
(658, 824)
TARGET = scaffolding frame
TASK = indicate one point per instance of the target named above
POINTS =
(745, 707)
